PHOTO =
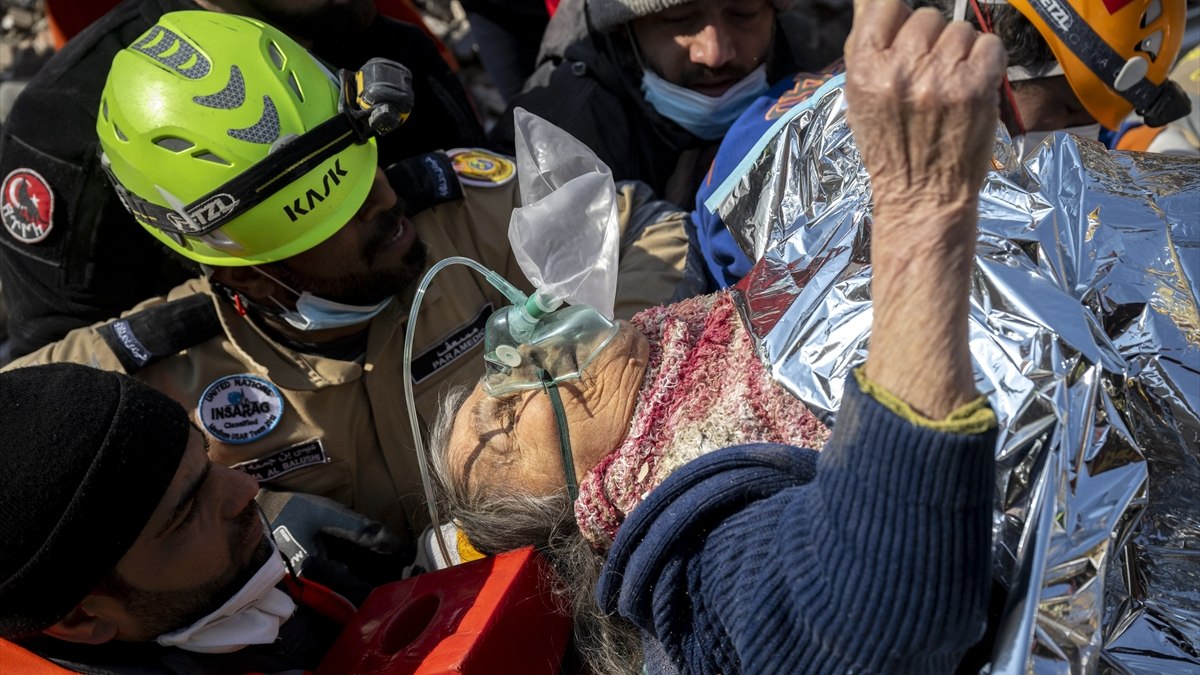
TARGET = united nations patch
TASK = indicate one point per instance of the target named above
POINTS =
(26, 206)
(480, 167)
(240, 408)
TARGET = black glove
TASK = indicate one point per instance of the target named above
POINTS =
(326, 542)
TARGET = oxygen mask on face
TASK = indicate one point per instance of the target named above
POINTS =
(564, 238)
(533, 342)
(526, 349)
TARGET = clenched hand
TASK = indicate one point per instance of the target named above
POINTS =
(922, 100)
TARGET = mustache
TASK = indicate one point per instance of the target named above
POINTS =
(703, 76)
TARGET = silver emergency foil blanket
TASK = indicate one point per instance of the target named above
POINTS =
(1085, 336)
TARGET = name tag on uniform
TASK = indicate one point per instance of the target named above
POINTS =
(452, 347)
(285, 461)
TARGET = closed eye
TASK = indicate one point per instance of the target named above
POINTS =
(193, 509)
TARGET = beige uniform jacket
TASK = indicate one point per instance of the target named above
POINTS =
(341, 429)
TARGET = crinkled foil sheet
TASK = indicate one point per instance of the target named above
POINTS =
(1085, 336)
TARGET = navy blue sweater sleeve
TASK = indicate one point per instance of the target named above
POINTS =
(871, 557)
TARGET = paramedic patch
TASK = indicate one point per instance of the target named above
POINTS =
(461, 341)
(482, 168)
(26, 205)
(240, 408)
(285, 461)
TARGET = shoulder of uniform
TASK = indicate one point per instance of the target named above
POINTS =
(424, 181)
(147, 336)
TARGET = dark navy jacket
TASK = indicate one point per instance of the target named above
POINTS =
(872, 556)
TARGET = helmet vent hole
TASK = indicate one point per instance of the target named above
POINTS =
(276, 55)
(295, 84)
(120, 134)
(209, 157)
(104, 108)
(174, 143)
(1153, 11)
(1151, 44)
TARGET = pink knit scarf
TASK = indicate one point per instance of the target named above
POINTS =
(704, 389)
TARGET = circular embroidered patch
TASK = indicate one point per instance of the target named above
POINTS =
(26, 205)
(240, 408)
(482, 168)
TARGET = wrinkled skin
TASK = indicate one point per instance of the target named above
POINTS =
(923, 104)
(922, 99)
(512, 440)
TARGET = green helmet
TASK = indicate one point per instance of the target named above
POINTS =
(189, 113)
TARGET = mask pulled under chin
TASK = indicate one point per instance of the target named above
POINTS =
(1029, 142)
(251, 617)
(707, 117)
(316, 313)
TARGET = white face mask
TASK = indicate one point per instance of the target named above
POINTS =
(1029, 142)
(251, 617)
(707, 117)
(316, 313)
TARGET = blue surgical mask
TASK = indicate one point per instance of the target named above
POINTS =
(707, 117)
(316, 313)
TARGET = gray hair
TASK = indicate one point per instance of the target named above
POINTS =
(498, 518)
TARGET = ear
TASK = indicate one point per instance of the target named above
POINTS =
(245, 280)
(87, 624)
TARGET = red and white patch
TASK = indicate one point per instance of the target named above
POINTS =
(26, 205)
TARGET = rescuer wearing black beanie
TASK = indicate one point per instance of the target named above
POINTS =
(85, 457)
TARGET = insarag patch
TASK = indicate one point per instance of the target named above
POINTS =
(454, 345)
(240, 408)
(285, 461)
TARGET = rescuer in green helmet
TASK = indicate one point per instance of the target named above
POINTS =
(232, 146)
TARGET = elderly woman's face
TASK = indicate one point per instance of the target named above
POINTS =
(512, 440)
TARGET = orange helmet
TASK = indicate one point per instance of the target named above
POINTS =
(1116, 54)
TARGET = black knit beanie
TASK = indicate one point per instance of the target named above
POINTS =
(85, 457)
(609, 14)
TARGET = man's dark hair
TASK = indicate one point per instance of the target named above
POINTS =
(1025, 45)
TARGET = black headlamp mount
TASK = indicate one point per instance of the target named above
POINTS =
(374, 101)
